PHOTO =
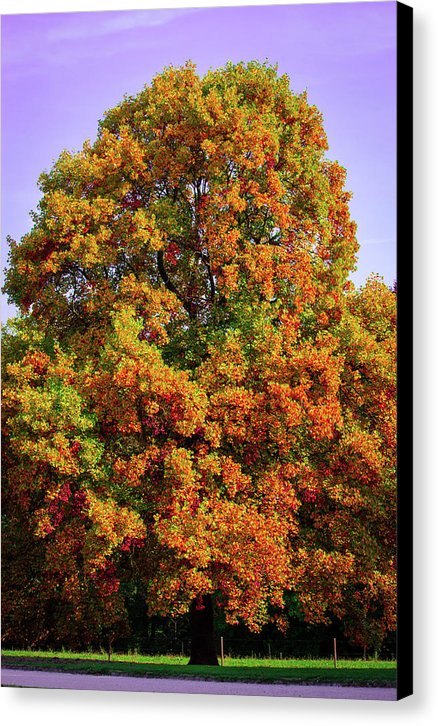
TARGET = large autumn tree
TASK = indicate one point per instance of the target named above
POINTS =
(195, 387)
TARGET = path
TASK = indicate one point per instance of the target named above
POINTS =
(85, 682)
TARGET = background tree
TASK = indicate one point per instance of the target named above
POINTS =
(200, 380)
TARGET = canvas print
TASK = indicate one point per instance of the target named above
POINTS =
(199, 350)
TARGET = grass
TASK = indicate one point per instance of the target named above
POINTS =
(348, 672)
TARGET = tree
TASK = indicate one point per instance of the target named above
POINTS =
(188, 387)
(371, 419)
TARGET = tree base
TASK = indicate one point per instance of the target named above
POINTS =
(203, 649)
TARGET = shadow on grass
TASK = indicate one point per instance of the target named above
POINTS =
(344, 675)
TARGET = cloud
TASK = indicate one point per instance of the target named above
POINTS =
(48, 38)
(99, 24)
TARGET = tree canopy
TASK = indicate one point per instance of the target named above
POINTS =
(195, 394)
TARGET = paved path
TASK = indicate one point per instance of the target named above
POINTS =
(85, 682)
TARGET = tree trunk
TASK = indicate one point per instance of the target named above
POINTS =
(203, 649)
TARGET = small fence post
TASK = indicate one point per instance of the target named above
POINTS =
(109, 649)
(335, 656)
(222, 650)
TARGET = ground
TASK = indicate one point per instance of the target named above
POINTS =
(44, 679)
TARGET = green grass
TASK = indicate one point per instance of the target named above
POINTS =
(348, 672)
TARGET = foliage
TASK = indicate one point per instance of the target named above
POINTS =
(196, 398)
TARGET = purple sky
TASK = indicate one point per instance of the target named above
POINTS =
(61, 71)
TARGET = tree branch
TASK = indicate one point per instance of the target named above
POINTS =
(170, 286)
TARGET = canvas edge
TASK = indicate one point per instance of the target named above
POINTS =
(404, 638)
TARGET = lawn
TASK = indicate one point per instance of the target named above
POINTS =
(348, 672)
